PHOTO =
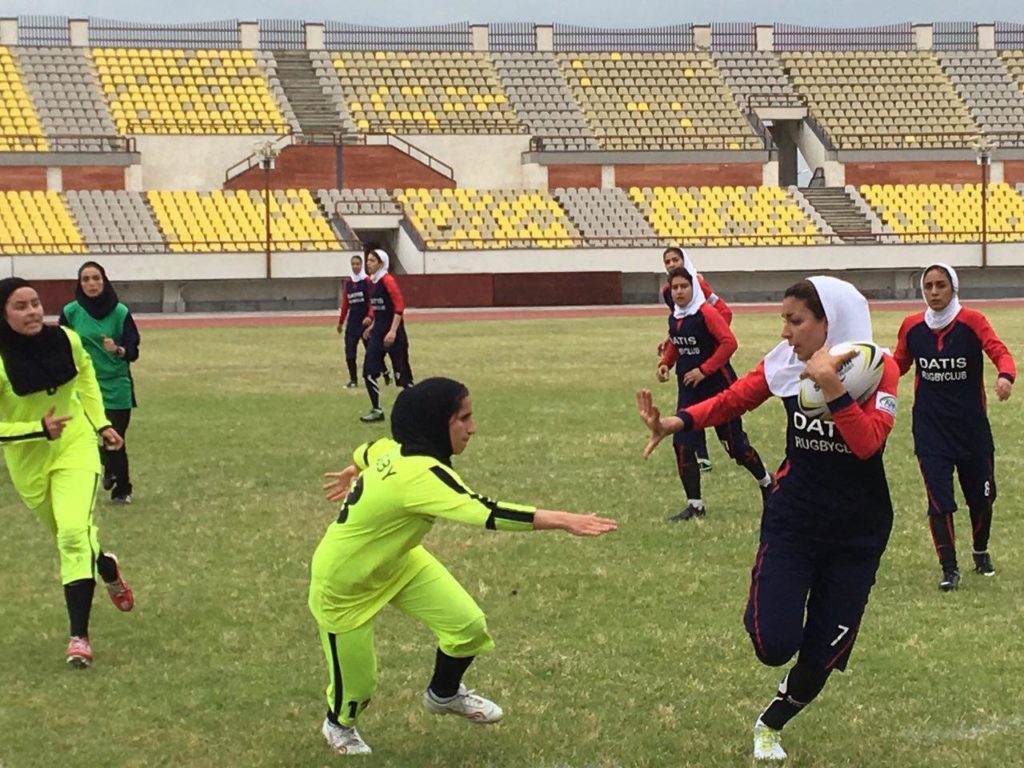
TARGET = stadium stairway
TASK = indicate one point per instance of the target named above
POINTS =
(838, 208)
(314, 109)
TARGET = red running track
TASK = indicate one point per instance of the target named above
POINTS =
(527, 313)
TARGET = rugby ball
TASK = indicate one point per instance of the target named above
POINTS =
(860, 376)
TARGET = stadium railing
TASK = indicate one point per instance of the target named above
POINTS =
(76, 142)
(540, 143)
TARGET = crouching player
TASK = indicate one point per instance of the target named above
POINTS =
(700, 344)
(826, 526)
(372, 556)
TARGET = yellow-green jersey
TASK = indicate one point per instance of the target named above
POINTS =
(29, 455)
(373, 549)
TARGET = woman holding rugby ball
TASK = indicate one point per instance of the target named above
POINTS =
(951, 429)
(826, 525)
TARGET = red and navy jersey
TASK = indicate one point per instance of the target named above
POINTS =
(712, 298)
(353, 304)
(832, 484)
(385, 302)
(949, 382)
(701, 340)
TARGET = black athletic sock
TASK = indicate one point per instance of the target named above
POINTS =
(78, 596)
(689, 471)
(373, 389)
(448, 672)
(798, 689)
(944, 537)
(107, 567)
(351, 363)
(981, 523)
(753, 464)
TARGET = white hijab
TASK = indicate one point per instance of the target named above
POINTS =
(697, 298)
(361, 274)
(938, 320)
(849, 319)
(385, 262)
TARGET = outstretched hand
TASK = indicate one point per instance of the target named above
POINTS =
(337, 488)
(651, 416)
(589, 525)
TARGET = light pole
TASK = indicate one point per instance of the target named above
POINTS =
(983, 146)
(266, 153)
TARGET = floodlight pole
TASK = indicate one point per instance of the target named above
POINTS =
(266, 153)
(984, 159)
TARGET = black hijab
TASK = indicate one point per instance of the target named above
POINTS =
(419, 420)
(33, 363)
(97, 306)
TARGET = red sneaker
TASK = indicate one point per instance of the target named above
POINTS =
(79, 652)
(120, 593)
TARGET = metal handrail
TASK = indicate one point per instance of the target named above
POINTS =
(389, 139)
(706, 143)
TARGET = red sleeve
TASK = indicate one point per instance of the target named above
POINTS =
(727, 343)
(670, 355)
(396, 294)
(902, 354)
(992, 344)
(744, 395)
(344, 307)
(715, 300)
(865, 427)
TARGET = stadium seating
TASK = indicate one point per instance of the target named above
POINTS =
(881, 99)
(234, 221)
(115, 221)
(756, 77)
(606, 218)
(358, 201)
(164, 91)
(67, 97)
(947, 213)
(981, 80)
(634, 101)
(718, 216)
(455, 219)
(20, 130)
(1014, 63)
(538, 93)
(424, 92)
(36, 222)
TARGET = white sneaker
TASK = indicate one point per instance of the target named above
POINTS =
(768, 743)
(344, 741)
(465, 704)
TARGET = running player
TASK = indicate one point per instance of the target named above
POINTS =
(372, 555)
(700, 345)
(384, 332)
(674, 258)
(51, 414)
(951, 430)
(354, 308)
(111, 338)
(826, 525)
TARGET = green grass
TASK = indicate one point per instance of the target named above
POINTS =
(622, 651)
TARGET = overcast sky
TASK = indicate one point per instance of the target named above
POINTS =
(619, 13)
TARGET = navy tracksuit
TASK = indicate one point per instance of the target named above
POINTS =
(354, 308)
(385, 302)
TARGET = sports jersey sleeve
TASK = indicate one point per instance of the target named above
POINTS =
(21, 431)
(715, 300)
(86, 386)
(992, 344)
(902, 354)
(670, 355)
(344, 307)
(397, 302)
(745, 394)
(439, 492)
(367, 452)
(130, 339)
(865, 427)
(727, 344)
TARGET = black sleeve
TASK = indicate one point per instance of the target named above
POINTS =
(130, 339)
(62, 320)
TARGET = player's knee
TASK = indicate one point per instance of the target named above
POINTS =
(471, 639)
(775, 649)
(73, 543)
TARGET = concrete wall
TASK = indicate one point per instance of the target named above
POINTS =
(483, 162)
(192, 162)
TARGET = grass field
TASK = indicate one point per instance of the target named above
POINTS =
(623, 651)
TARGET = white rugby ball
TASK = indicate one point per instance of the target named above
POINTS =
(860, 376)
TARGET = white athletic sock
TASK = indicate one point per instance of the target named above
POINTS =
(695, 503)
(765, 481)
